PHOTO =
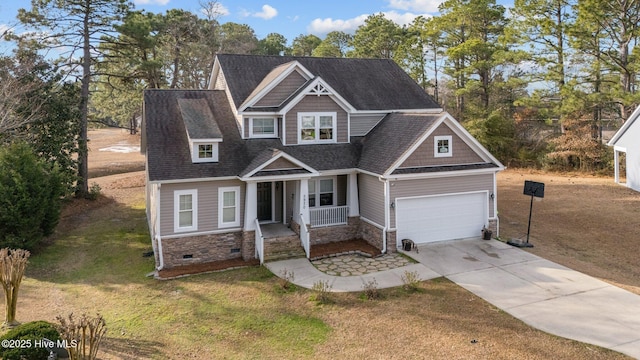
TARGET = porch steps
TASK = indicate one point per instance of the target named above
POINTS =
(284, 247)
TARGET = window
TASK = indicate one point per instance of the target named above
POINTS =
(316, 127)
(228, 206)
(205, 151)
(262, 127)
(185, 210)
(442, 146)
(323, 190)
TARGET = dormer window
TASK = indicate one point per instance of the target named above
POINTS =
(442, 146)
(262, 127)
(205, 151)
(317, 127)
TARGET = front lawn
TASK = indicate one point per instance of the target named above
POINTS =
(96, 265)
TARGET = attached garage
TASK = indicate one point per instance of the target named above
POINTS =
(425, 219)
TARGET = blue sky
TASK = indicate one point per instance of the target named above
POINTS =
(287, 17)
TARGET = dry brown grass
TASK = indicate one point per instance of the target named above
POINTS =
(587, 223)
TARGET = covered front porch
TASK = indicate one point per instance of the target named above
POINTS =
(280, 207)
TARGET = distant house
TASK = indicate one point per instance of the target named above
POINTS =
(284, 153)
(627, 141)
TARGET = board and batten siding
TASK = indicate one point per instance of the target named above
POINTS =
(311, 104)
(441, 186)
(371, 193)
(282, 91)
(362, 124)
(424, 155)
(207, 204)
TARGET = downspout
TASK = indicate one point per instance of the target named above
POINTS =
(387, 214)
(160, 254)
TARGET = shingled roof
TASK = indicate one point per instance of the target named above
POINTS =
(367, 84)
(168, 155)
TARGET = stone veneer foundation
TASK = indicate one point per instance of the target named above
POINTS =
(217, 247)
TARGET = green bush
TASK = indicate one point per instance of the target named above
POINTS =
(29, 333)
(30, 197)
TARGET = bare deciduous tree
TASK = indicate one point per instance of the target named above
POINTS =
(83, 336)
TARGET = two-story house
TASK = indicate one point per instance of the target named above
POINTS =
(315, 150)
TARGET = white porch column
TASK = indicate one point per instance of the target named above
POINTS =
(250, 206)
(616, 166)
(303, 199)
(352, 194)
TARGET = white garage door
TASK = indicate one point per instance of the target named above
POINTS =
(437, 218)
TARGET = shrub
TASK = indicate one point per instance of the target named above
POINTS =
(411, 280)
(94, 191)
(285, 281)
(371, 291)
(83, 334)
(322, 290)
(32, 332)
(30, 197)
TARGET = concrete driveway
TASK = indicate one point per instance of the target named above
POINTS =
(543, 294)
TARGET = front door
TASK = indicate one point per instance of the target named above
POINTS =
(264, 201)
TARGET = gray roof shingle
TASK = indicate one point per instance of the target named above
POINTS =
(367, 84)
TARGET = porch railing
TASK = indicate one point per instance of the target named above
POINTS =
(259, 243)
(329, 216)
(304, 236)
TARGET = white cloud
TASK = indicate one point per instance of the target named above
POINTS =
(325, 26)
(268, 12)
(423, 6)
(322, 27)
(151, 2)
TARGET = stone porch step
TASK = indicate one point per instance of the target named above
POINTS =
(282, 248)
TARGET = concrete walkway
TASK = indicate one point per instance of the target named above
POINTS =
(541, 293)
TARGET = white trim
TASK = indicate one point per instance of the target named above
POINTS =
(281, 154)
(442, 174)
(436, 152)
(495, 195)
(183, 181)
(293, 66)
(485, 210)
(404, 111)
(317, 192)
(317, 116)
(221, 191)
(627, 124)
(371, 222)
(223, 231)
(284, 202)
(176, 210)
(263, 136)
(308, 91)
(457, 129)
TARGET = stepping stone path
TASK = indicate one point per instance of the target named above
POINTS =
(353, 265)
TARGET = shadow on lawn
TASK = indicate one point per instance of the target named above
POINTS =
(130, 349)
(97, 243)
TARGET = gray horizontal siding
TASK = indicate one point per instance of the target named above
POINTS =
(371, 193)
(207, 204)
(441, 186)
(313, 103)
(282, 91)
(424, 154)
(362, 124)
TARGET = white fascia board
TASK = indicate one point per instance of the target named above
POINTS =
(471, 141)
(279, 177)
(336, 172)
(278, 156)
(215, 71)
(440, 174)
(283, 75)
(184, 181)
(634, 116)
(415, 146)
(341, 101)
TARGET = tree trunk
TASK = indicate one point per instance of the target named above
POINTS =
(82, 189)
